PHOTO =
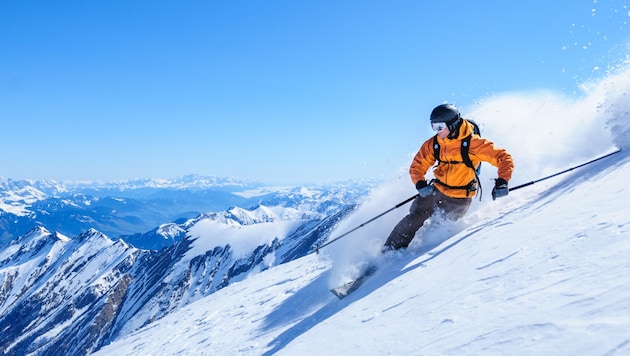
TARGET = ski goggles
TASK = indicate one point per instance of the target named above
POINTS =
(438, 126)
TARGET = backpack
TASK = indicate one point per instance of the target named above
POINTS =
(465, 159)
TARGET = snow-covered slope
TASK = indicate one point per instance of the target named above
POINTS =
(543, 272)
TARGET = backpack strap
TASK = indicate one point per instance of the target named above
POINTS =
(436, 148)
(472, 186)
(464, 151)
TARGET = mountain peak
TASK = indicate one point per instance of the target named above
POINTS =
(93, 235)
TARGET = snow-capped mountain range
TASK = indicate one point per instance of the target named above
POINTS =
(63, 295)
(117, 208)
(134, 209)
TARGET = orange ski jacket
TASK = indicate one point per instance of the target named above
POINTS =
(451, 173)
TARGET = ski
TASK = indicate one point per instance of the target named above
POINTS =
(343, 290)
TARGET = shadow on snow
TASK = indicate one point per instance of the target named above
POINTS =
(314, 303)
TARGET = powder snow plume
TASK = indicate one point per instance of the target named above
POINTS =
(546, 131)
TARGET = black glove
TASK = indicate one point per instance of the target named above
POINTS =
(500, 188)
(424, 189)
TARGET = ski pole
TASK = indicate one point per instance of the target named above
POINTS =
(316, 248)
(565, 171)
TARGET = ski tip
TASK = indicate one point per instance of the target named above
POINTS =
(343, 290)
(338, 293)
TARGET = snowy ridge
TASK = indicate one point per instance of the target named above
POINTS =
(49, 276)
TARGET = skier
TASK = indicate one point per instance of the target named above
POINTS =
(456, 180)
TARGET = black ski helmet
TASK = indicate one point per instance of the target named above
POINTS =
(447, 113)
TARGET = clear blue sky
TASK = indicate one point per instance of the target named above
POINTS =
(280, 91)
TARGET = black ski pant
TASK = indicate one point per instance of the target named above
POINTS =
(421, 209)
